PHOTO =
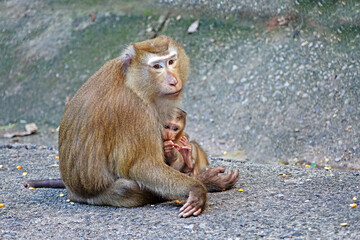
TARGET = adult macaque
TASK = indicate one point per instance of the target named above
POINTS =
(110, 144)
(182, 155)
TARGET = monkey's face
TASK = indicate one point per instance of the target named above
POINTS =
(171, 131)
(164, 69)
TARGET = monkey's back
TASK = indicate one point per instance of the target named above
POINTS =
(104, 129)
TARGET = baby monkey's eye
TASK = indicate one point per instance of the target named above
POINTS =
(166, 126)
(171, 62)
(175, 128)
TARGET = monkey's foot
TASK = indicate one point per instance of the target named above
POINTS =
(215, 183)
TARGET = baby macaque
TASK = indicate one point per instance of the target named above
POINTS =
(182, 155)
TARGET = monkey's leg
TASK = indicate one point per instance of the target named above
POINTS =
(122, 193)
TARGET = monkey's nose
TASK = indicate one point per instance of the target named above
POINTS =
(171, 80)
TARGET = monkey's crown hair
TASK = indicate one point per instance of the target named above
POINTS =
(156, 45)
(177, 114)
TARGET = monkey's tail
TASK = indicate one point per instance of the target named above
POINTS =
(48, 183)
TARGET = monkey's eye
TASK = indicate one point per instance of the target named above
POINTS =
(157, 66)
(166, 126)
(175, 128)
(171, 62)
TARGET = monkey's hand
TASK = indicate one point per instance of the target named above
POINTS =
(193, 206)
(185, 151)
(215, 183)
(169, 146)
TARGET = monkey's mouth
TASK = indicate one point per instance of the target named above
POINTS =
(174, 94)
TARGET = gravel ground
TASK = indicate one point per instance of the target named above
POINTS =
(308, 203)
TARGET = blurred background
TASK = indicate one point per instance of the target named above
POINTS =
(271, 81)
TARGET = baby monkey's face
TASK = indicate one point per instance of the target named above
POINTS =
(171, 130)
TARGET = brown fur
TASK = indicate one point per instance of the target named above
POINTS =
(175, 159)
(110, 144)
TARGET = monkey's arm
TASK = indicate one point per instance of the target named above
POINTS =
(185, 151)
(172, 157)
(199, 158)
(156, 176)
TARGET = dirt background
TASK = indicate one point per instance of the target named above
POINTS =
(272, 83)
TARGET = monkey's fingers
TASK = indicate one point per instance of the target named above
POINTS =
(231, 178)
(168, 149)
(235, 176)
(197, 212)
(168, 143)
(168, 146)
(219, 169)
(188, 148)
(177, 147)
(184, 140)
(187, 210)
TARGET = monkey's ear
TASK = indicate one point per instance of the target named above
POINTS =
(126, 58)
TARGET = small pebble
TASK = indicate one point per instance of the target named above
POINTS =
(1, 166)
(354, 198)
(61, 195)
(24, 173)
(31, 188)
(344, 224)
(353, 205)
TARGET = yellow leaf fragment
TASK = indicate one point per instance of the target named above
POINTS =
(31, 188)
(241, 190)
(353, 205)
(61, 195)
(307, 166)
(344, 224)
(2, 205)
(304, 43)
(57, 157)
